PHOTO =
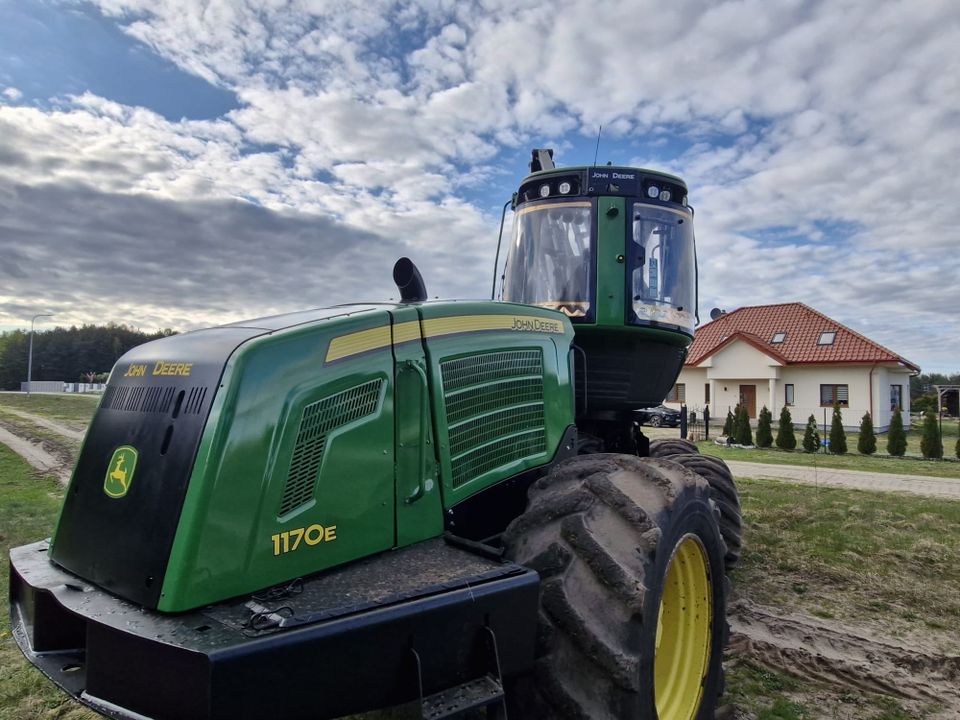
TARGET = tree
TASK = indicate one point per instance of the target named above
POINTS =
(896, 437)
(764, 433)
(838, 438)
(741, 427)
(728, 423)
(786, 438)
(811, 436)
(66, 353)
(930, 445)
(923, 403)
(867, 442)
(957, 449)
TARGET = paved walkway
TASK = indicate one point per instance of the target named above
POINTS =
(832, 477)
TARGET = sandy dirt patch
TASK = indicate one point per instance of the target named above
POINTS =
(43, 422)
(846, 656)
(35, 454)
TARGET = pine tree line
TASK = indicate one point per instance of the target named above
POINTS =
(68, 354)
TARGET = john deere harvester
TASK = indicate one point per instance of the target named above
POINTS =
(444, 503)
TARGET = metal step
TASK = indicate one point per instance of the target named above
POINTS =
(481, 692)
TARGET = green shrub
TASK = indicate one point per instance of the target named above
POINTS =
(838, 438)
(811, 437)
(924, 403)
(786, 438)
(896, 437)
(741, 427)
(867, 442)
(930, 445)
(764, 433)
(728, 423)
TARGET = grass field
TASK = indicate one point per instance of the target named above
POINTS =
(852, 555)
(74, 411)
(29, 509)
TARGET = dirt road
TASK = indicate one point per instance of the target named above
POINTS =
(34, 454)
(49, 424)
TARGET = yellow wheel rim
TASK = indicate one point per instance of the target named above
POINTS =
(683, 633)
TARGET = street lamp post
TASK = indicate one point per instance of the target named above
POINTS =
(30, 353)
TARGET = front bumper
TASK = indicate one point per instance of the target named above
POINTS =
(340, 642)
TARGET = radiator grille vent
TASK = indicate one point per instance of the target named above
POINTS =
(141, 398)
(318, 420)
(494, 405)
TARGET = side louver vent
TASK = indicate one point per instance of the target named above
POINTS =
(494, 404)
(318, 420)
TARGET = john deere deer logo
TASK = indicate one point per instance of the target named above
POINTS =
(120, 471)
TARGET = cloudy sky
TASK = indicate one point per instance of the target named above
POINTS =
(177, 163)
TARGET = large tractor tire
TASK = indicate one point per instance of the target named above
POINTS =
(664, 447)
(723, 490)
(722, 487)
(632, 604)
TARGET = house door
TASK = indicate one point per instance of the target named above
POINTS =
(748, 398)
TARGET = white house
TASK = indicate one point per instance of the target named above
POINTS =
(792, 355)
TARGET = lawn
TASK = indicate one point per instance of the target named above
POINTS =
(852, 555)
(888, 567)
(29, 510)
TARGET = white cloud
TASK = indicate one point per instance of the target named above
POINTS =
(11, 93)
(805, 117)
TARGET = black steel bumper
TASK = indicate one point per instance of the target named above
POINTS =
(382, 631)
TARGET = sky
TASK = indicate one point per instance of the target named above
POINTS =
(175, 163)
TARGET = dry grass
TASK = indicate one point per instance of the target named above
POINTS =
(853, 555)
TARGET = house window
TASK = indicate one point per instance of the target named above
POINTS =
(778, 337)
(826, 338)
(706, 393)
(831, 395)
(678, 393)
(896, 397)
(788, 394)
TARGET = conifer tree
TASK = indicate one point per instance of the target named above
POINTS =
(764, 433)
(838, 438)
(786, 438)
(811, 436)
(896, 437)
(744, 435)
(728, 423)
(930, 446)
(867, 442)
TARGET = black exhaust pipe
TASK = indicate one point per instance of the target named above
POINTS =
(409, 281)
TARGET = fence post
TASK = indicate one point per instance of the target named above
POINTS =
(683, 421)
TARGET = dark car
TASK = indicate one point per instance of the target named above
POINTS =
(660, 416)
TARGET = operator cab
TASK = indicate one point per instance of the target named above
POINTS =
(551, 257)
(612, 248)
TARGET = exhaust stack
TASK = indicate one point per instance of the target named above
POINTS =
(409, 281)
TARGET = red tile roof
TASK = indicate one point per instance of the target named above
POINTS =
(802, 324)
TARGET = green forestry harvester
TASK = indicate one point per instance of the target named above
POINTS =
(443, 503)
